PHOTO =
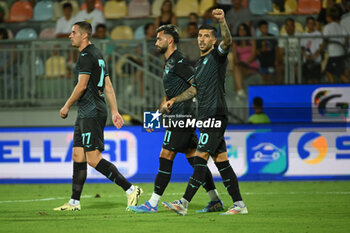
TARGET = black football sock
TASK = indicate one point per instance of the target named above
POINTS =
(229, 179)
(79, 177)
(111, 172)
(163, 176)
(209, 182)
(197, 179)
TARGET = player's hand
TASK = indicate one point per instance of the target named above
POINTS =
(169, 104)
(149, 130)
(117, 120)
(64, 112)
(218, 14)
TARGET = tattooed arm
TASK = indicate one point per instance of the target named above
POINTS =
(186, 95)
(225, 32)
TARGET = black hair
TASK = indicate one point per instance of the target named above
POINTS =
(170, 30)
(310, 18)
(262, 22)
(67, 5)
(85, 26)
(192, 24)
(145, 28)
(209, 27)
(246, 29)
(289, 19)
(258, 102)
(4, 33)
(101, 25)
(333, 13)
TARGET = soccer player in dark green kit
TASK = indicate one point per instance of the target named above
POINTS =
(209, 88)
(93, 83)
(177, 77)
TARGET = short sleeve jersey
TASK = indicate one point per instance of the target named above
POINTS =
(92, 102)
(209, 80)
(176, 79)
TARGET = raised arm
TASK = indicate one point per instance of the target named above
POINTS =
(225, 32)
(112, 101)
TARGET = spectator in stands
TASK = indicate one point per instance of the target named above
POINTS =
(244, 58)
(237, 15)
(259, 117)
(2, 15)
(311, 50)
(266, 53)
(193, 18)
(167, 15)
(150, 31)
(336, 46)
(226, 5)
(288, 46)
(190, 47)
(208, 18)
(65, 23)
(102, 34)
(91, 15)
(8, 60)
(322, 16)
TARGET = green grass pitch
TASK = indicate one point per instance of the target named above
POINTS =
(273, 207)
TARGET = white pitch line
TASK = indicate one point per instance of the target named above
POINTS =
(177, 194)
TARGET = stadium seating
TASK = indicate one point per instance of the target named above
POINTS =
(4, 6)
(139, 33)
(309, 7)
(47, 33)
(260, 7)
(122, 32)
(272, 29)
(204, 5)
(57, 8)
(20, 12)
(39, 68)
(55, 66)
(98, 5)
(185, 7)
(115, 10)
(43, 11)
(139, 8)
(290, 6)
(26, 34)
(298, 28)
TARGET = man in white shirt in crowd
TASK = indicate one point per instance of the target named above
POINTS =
(91, 15)
(336, 46)
(65, 23)
(288, 47)
(311, 50)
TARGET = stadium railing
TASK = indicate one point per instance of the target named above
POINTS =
(41, 72)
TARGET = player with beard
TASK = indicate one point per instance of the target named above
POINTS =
(177, 77)
(208, 87)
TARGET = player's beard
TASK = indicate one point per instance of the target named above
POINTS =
(163, 49)
(206, 49)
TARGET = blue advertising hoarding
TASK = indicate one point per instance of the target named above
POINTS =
(265, 152)
(303, 103)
